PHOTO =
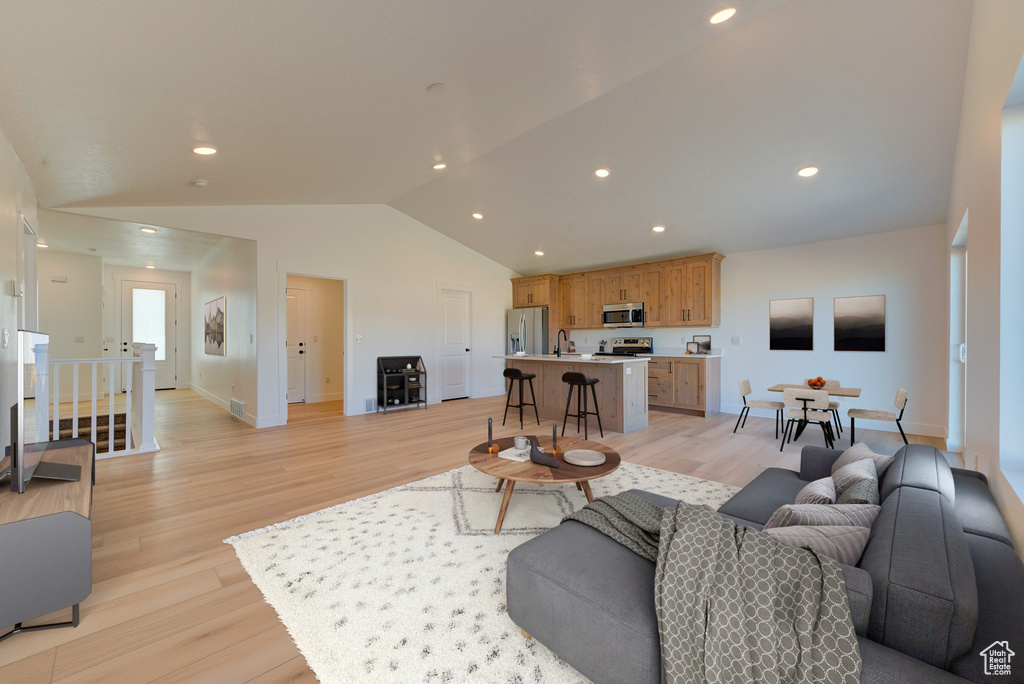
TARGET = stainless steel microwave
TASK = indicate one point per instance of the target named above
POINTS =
(623, 315)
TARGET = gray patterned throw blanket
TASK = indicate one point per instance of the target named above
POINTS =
(734, 605)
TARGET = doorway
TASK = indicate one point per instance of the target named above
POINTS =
(456, 360)
(315, 340)
(149, 313)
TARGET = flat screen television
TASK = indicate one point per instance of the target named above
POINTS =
(30, 416)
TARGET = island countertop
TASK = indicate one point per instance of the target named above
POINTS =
(621, 390)
(574, 358)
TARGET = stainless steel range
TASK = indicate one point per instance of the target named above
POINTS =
(630, 346)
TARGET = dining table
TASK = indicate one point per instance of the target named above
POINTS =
(833, 391)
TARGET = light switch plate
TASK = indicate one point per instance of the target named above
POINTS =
(736, 340)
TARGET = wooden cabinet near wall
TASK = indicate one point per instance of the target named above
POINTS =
(624, 285)
(653, 297)
(572, 302)
(533, 291)
(688, 383)
(595, 301)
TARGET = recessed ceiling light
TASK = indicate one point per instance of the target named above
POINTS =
(807, 171)
(440, 165)
(435, 87)
(658, 229)
(478, 216)
(200, 183)
(205, 150)
(539, 253)
(723, 15)
(42, 245)
(150, 266)
(147, 229)
(602, 173)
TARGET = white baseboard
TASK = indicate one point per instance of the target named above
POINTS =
(911, 428)
(250, 418)
(317, 398)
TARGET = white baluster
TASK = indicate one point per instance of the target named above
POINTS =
(110, 420)
(128, 406)
(94, 390)
(56, 404)
(74, 401)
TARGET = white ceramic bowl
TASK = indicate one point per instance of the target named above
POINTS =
(586, 356)
(520, 353)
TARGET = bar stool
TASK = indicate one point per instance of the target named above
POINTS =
(580, 382)
(514, 374)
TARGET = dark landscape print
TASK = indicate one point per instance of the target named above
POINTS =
(860, 323)
(791, 324)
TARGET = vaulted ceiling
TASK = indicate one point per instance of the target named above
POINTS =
(702, 126)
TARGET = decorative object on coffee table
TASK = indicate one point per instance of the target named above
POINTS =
(511, 472)
(539, 457)
(586, 458)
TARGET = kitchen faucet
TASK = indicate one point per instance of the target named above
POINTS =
(561, 331)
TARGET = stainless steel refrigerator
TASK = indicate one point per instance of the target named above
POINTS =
(528, 330)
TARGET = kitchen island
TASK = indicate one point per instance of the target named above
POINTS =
(621, 390)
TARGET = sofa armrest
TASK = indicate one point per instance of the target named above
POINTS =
(883, 665)
(859, 593)
(816, 462)
(970, 473)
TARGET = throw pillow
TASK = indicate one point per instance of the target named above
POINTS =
(860, 515)
(859, 451)
(821, 491)
(860, 492)
(854, 472)
(843, 543)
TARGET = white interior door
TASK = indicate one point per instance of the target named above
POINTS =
(149, 314)
(295, 343)
(455, 344)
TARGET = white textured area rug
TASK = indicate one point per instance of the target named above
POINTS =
(409, 585)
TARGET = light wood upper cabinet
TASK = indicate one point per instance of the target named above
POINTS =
(653, 296)
(572, 302)
(533, 291)
(677, 293)
(595, 299)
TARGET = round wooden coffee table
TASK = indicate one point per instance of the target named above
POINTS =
(511, 472)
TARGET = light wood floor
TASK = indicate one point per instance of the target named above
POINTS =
(170, 602)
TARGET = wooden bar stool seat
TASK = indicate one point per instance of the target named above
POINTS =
(515, 375)
(580, 382)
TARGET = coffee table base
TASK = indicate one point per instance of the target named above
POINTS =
(583, 486)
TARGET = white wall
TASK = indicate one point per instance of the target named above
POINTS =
(996, 46)
(1011, 317)
(325, 337)
(229, 271)
(71, 312)
(113, 276)
(16, 195)
(908, 266)
(392, 266)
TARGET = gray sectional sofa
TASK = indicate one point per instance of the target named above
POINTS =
(939, 580)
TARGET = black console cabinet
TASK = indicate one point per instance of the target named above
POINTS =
(401, 382)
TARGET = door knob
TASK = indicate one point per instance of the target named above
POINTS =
(467, 348)
(300, 344)
(301, 351)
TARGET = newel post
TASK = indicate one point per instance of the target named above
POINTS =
(144, 397)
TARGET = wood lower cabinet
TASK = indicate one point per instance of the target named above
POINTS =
(688, 383)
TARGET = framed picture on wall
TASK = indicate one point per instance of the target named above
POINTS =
(215, 327)
(860, 323)
(791, 324)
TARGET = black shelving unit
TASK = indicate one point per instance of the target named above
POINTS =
(401, 382)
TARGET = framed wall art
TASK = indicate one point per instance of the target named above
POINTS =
(215, 327)
(791, 324)
(860, 323)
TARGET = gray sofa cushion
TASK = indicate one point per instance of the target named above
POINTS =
(882, 665)
(976, 508)
(1000, 576)
(590, 600)
(758, 500)
(925, 601)
(924, 467)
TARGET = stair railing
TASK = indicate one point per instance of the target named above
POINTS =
(140, 400)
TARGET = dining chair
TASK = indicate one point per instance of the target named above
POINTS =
(776, 406)
(868, 414)
(809, 406)
(833, 406)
